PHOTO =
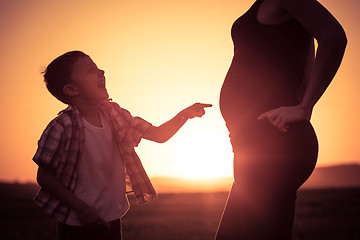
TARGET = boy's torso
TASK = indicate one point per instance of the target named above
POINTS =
(101, 177)
(61, 144)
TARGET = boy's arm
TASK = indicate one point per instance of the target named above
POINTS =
(165, 131)
(50, 184)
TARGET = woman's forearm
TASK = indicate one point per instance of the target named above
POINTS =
(328, 58)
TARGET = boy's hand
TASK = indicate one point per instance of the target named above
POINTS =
(195, 110)
(88, 216)
(164, 132)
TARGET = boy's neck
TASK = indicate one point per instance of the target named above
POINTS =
(90, 112)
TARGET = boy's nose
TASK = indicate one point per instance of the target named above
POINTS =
(101, 72)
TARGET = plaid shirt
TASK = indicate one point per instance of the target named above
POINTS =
(62, 143)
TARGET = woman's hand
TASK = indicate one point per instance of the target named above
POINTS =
(195, 110)
(281, 117)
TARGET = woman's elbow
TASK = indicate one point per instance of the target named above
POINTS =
(335, 37)
(340, 39)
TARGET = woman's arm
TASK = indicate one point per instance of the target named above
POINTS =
(165, 131)
(307, 71)
(331, 40)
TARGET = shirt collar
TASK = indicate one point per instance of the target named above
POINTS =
(70, 108)
(75, 111)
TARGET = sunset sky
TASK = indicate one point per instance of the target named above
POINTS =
(159, 57)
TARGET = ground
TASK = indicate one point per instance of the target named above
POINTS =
(320, 214)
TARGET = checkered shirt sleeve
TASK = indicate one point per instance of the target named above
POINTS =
(49, 144)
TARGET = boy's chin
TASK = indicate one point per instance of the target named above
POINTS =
(104, 98)
(100, 99)
(104, 95)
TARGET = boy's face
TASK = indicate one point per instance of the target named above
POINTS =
(89, 81)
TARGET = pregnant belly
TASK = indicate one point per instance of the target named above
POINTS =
(235, 95)
(245, 97)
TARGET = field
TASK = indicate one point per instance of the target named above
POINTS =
(321, 214)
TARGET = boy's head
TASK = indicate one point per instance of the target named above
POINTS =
(74, 76)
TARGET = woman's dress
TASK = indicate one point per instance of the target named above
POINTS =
(266, 72)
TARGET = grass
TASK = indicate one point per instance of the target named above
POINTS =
(320, 214)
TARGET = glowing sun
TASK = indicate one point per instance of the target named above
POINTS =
(199, 154)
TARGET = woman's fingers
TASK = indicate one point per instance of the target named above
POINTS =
(279, 123)
(262, 116)
(270, 115)
(276, 119)
(282, 116)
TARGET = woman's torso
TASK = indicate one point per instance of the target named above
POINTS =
(266, 69)
(266, 73)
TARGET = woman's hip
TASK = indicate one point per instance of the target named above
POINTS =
(262, 150)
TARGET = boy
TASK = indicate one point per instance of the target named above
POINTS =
(86, 157)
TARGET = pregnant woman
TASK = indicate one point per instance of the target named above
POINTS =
(267, 98)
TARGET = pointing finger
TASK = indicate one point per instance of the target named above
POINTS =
(205, 105)
(263, 116)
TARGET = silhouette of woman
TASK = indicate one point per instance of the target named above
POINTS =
(275, 76)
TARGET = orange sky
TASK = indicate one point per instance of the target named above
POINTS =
(159, 57)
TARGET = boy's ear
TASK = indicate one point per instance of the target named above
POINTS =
(70, 90)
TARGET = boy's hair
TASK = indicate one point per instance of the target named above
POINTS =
(58, 73)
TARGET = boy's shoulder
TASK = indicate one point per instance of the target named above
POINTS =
(113, 107)
(119, 113)
(110, 104)
(65, 118)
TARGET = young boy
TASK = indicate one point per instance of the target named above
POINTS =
(86, 157)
